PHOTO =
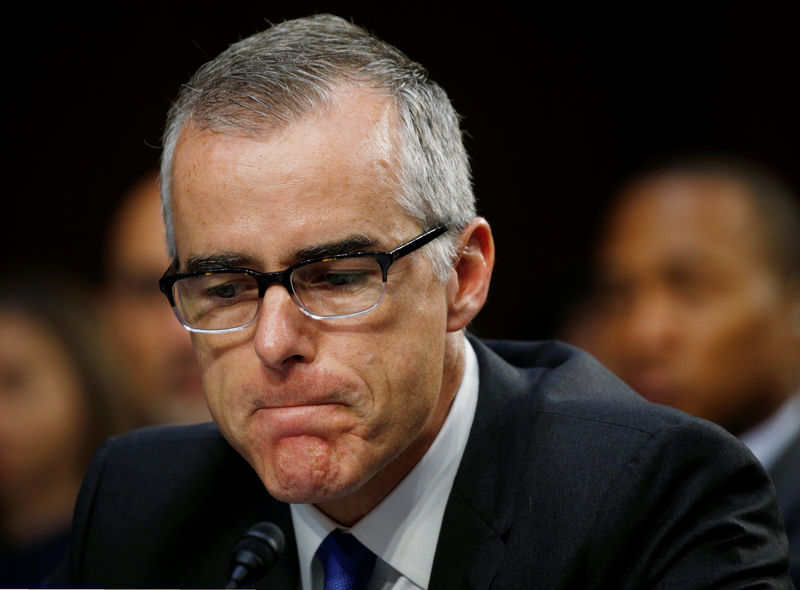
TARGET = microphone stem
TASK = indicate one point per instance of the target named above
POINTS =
(237, 575)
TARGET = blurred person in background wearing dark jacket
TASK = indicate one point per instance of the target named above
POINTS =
(698, 305)
(58, 400)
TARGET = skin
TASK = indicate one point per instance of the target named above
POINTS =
(332, 412)
(42, 426)
(156, 350)
(695, 314)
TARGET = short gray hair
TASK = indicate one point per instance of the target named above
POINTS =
(290, 70)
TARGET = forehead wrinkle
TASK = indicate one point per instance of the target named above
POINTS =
(300, 198)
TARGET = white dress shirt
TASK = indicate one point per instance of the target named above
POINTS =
(403, 529)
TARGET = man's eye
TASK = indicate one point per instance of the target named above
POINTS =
(692, 286)
(230, 291)
(341, 279)
(225, 291)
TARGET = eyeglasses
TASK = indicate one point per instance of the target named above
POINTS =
(332, 287)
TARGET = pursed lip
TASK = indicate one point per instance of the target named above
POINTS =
(290, 400)
(295, 406)
(319, 390)
(306, 405)
(301, 418)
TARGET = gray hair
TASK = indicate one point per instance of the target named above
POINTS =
(291, 70)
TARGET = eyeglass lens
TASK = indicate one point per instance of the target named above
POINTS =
(328, 288)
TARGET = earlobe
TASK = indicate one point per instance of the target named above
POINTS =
(472, 272)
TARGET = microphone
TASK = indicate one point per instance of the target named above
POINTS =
(255, 553)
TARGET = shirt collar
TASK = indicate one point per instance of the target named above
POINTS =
(403, 529)
(769, 438)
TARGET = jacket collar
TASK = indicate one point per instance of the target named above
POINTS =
(480, 508)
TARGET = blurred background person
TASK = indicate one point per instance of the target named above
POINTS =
(152, 348)
(698, 305)
(58, 400)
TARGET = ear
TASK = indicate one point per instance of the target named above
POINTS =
(468, 285)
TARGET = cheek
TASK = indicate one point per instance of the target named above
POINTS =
(735, 346)
(414, 376)
(222, 372)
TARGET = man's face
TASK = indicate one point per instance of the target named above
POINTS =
(154, 348)
(694, 314)
(319, 408)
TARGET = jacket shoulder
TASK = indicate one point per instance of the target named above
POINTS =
(180, 447)
(573, 467)
(177, 498)
(551, 377)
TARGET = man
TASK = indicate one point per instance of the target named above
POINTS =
(348, 397)
(153, 350)
(699, 275)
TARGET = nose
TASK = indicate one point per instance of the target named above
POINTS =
(283, 334)
(651, 328)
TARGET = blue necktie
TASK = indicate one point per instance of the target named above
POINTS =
(346, 562)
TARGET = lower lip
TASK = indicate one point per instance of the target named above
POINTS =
(300, 420)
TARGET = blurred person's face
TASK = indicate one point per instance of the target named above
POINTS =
(324, 410)
(153, 347)
(43, 413)
(694, 314)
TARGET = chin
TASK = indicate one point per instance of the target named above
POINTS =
(302, 490)
(302, 470)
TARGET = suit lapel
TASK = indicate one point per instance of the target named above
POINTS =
(479, 511)
(469, 551)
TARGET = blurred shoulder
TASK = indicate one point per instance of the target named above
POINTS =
(168, 435)
(176, 447)
(550, 382)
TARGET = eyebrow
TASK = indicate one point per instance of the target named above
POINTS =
(350, 245)
(218, 262)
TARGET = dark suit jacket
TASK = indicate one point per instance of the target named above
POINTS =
(786, 476)
(569, 480)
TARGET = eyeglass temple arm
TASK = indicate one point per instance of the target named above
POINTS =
(165, 289)
(418, 242)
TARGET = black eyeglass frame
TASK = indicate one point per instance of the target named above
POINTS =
(265, 279)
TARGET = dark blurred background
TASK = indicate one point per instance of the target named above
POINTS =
(559, 101)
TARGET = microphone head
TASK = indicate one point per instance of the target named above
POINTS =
(256, 552)
(266, 532)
